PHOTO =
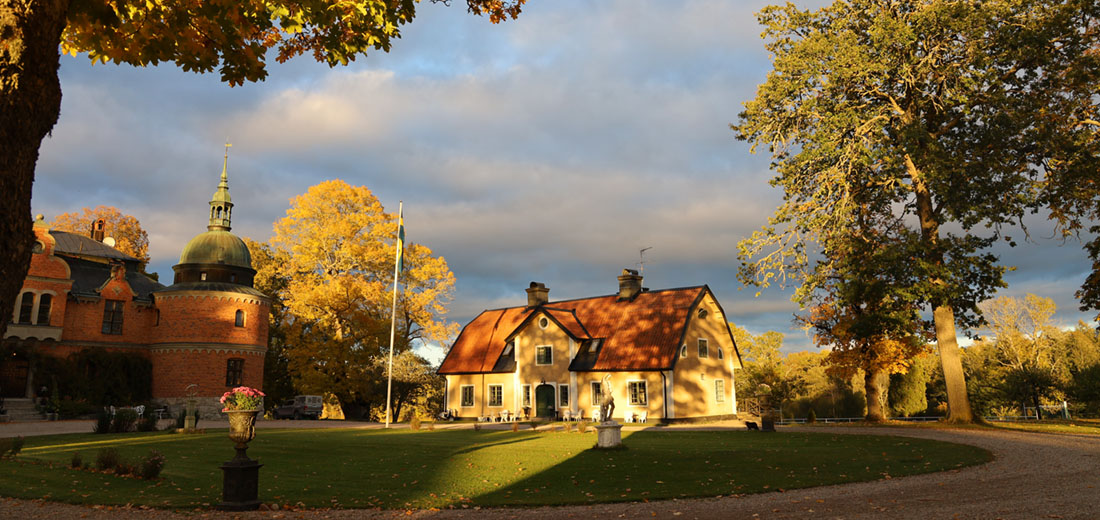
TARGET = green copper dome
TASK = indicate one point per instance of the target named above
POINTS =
(217, 247)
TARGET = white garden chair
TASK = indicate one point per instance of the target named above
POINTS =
(643, 416)
(504, 416)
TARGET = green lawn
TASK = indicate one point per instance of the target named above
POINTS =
(1077, 426)
(404, 469)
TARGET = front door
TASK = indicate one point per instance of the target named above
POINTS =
(544, 402)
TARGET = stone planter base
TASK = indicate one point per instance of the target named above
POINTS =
(609, 435)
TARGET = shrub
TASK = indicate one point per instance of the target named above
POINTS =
(151, 465)
(70, 408)
(106, 459)
(124, 468)
(124, 421)
(811, 417)
(180, 419)
(414, 423)
(431, 426)
(582, 427)
(148, 423)
(10, 446)
(515, 426)
(76, 462)
(102, 422)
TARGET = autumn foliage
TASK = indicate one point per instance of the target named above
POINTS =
(129, 236)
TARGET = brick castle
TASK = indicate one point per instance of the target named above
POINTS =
(204, 334)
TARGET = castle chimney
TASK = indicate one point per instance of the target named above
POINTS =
(537, 294)
(630, 284)
(97, 229)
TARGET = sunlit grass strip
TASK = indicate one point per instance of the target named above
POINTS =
(403, 469)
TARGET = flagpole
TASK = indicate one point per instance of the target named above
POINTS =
(393, 310)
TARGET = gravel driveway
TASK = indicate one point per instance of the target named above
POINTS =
(1034, 475)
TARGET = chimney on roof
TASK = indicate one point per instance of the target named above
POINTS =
(630, 284)
(97, 229)
(537, 294)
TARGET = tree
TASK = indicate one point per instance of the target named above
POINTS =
(929, 112)
(278, 385)
(1026, 345)
(908, 389)
(232, 37)
(336, 253)
(129, 236)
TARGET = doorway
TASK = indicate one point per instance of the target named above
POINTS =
(544, 402)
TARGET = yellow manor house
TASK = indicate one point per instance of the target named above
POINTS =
(669, 354)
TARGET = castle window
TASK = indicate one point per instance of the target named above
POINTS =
(112, 317)
(202, 276)
(26, 305)
(232, 278)
(44, 303)
(38, 248)
(156, 317)
(239, 319)
(234, 371)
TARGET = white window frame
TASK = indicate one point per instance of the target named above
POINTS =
(630, 395)
(461, 391)
(720, 356)
(595, 387)
(489, 398)
(550, 349)
(684, 350)
(525, 401)
(563, 389)
(719, 393)
(703, 348)
(544, 322)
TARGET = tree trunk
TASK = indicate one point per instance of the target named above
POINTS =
(30, 101)
(874, 387)
(958, 402)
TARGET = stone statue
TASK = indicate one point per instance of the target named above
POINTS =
(607, 401)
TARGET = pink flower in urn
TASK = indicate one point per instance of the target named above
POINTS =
(243, 398)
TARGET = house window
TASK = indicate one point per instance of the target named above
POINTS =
(635, 390)
(563, 396)
(527, 395)
(702, 314)
(238, 320)
(544, 355)
(496, 395)
(684, 350)
(719, 391)
(543, 322)
(703, 351)
(719, 353)
(26, 306)
(597, 388)
(234, 371)
(467, 395)
(44, 303)
(112, 317)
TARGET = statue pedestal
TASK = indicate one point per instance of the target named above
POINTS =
(609, 435)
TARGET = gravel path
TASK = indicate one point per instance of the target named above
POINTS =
(1034, 475)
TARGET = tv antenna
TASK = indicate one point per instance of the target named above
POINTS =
(641, 259)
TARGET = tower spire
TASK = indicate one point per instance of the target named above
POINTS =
(221, 205)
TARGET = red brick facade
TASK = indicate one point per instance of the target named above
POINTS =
(189, 332)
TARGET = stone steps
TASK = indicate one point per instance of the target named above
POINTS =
(21, 410)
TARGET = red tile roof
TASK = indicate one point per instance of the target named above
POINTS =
(640, 334)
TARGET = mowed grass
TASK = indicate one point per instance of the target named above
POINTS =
(1075, 426)
(346, 468)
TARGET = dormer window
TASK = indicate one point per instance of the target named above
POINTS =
(508, 349)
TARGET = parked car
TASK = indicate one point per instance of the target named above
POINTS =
(301, 406)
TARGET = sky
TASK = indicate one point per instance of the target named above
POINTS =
(552, 148)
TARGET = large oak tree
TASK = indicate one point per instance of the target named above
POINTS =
(956, 115)
(234, 37)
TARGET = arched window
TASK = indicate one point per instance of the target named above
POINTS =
(239, 319)
(26, 306)
(234, 372)
(44, 303)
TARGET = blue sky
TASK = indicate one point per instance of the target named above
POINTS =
(549, 149)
